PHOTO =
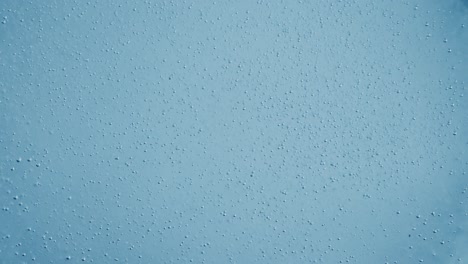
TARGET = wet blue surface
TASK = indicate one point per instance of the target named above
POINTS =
(233, 131)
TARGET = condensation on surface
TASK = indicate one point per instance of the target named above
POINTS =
(233, 131)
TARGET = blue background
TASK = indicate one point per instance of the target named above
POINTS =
(233, 131)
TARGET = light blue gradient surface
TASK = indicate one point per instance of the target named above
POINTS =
(233, 131)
